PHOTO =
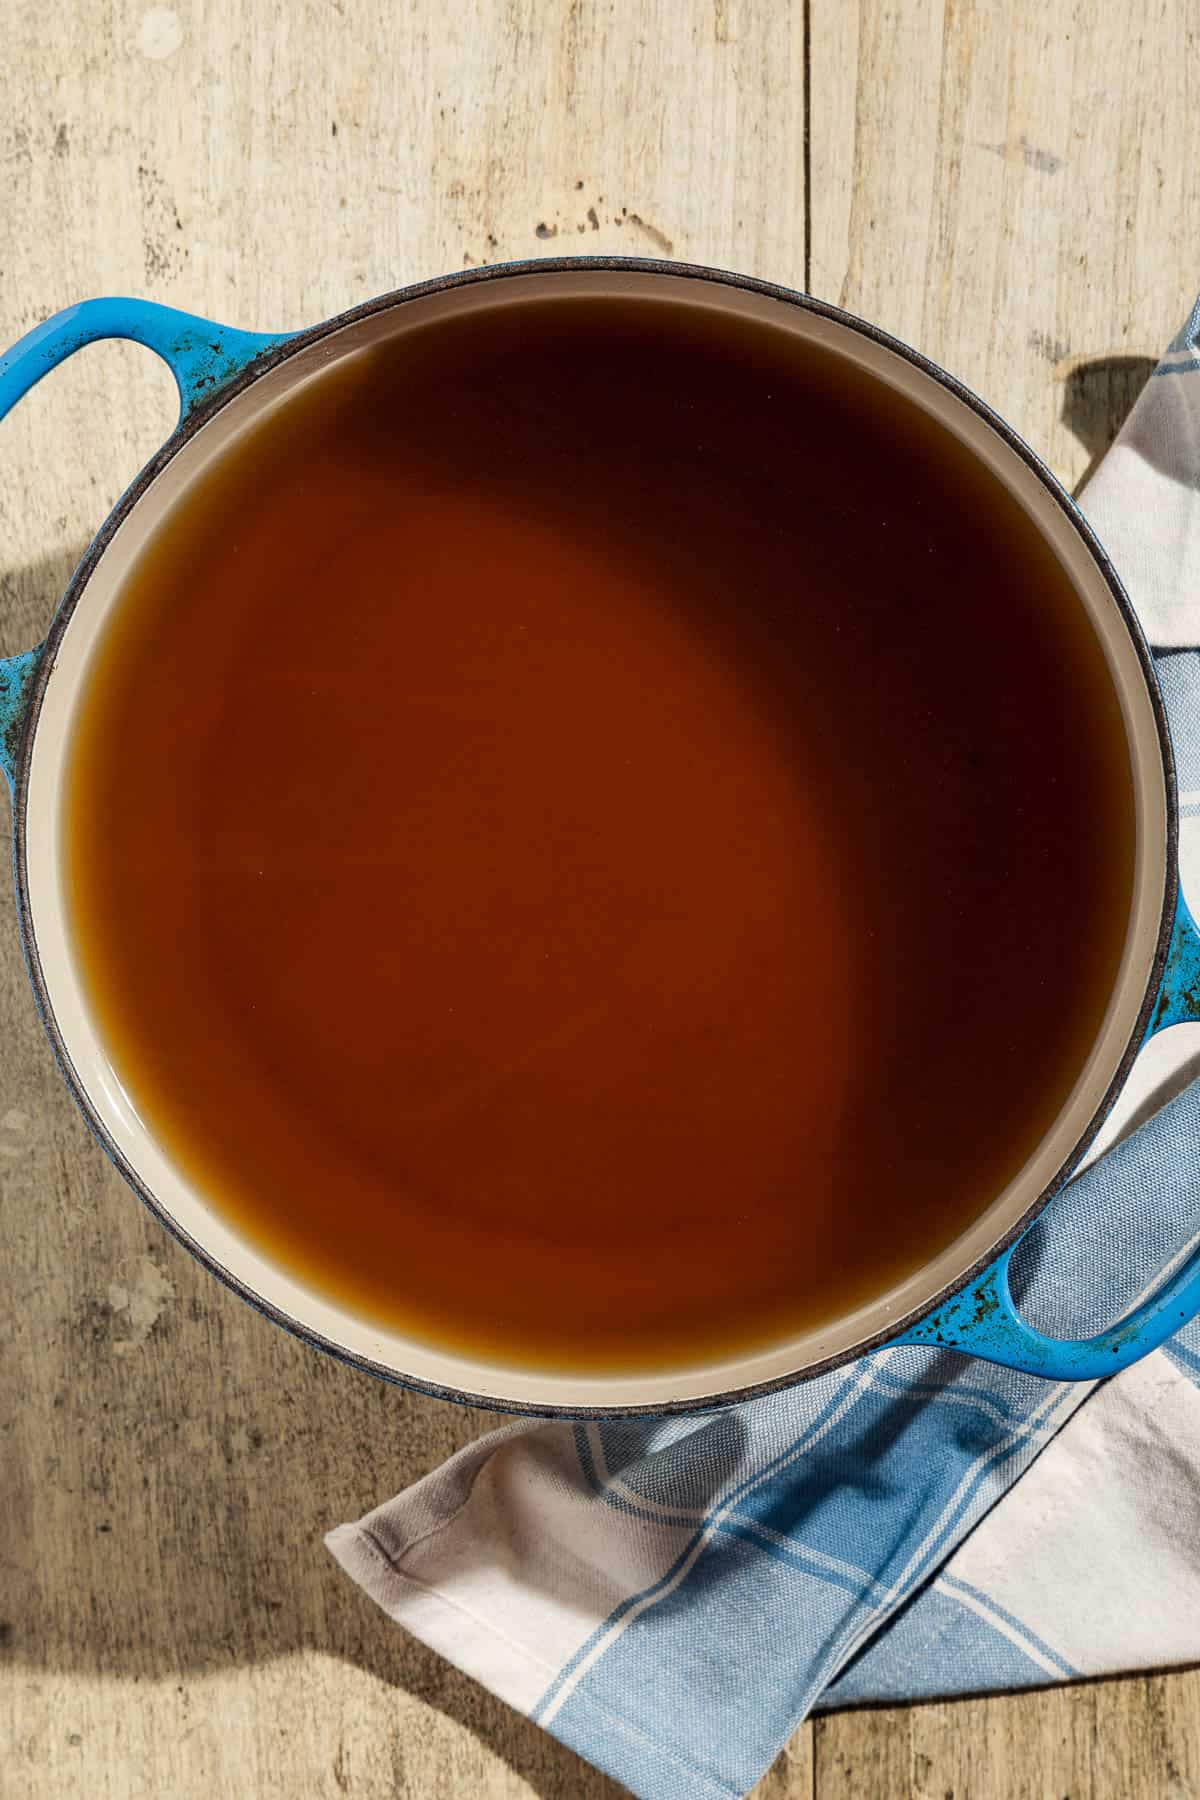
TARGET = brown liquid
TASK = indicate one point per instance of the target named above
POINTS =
(598, 836)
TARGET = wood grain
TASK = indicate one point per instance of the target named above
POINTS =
(173, 1624)
(1008, 186)
(1136, 1738)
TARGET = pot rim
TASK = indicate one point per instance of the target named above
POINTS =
(193, 421)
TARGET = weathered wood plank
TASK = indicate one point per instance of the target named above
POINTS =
(1009, 187)
(173, 1624)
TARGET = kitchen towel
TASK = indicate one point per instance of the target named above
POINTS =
(671, 1597)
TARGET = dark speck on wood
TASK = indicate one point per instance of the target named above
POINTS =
(1052, 348)
(1044, 161)
(664, 243)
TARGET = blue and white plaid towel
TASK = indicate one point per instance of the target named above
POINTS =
(670, 1598)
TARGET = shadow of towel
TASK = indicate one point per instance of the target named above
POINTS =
(1098, 395)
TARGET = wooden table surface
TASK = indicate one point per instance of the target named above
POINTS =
(1009, 187)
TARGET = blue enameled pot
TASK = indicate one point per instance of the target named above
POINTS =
(962, 1299)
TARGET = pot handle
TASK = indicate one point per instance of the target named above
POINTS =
(1179, 996)
(201, 355)
(983, 1319)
